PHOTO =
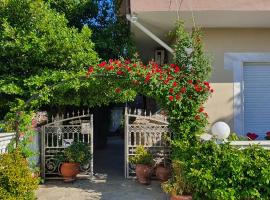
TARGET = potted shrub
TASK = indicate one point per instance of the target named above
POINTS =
(163, 170)
(177, 186)
(76, 154)
(143, 160)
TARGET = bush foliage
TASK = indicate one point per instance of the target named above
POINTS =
(36, 42)
(16, 179)
(224, 172)
(142, 156)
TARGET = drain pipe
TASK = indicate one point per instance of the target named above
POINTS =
(134, 20)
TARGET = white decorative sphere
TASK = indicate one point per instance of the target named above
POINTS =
(221, 130)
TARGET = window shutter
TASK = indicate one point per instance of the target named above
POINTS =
(257, 98)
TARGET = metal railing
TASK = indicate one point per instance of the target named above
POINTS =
(244, 144)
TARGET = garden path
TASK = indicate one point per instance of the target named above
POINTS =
(109, 182)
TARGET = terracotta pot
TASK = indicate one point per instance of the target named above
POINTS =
(162, 173)
(181, 197)
(69, 171)
(143, 173)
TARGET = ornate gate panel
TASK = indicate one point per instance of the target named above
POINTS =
(58, 135)
(149, 131)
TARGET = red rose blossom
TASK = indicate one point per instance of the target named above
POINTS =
(177, 96)
(117, 90)
(102, 64)
(171, 98)
(176, 69)
(183, 89)
(268, 134)
(252, 136)
(201, 109)
(171, 90)
(147, 78)
(120, 72)
(175, 84)
(197, 117)
(110, 68)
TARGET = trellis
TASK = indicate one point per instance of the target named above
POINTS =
(58, 135)
(150, 131)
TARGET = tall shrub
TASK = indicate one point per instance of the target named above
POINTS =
(16, 180)
(190, 118)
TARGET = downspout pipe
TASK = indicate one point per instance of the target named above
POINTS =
(134, 20)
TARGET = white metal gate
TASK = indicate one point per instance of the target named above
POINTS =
(149, 131)
(59, 134)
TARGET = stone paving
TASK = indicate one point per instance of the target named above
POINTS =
(109, 182)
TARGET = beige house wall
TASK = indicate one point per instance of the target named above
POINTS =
(217, 42)
(220, 41)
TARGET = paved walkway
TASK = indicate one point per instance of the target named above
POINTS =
(109, 182)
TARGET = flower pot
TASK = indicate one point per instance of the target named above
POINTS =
(162, 173)
(181, 197)
(143, 173)
(69, 171)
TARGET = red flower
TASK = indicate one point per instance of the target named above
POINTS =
(268, 134)
(102, 64)
(90, 69)
(128, 68)
(147, 78)
(183, 89)
(120, 72)
(212, 90)
(252, 136)
(171, 98)
(190, 81)
(206, 83)
(201, 109)
(178, 97)
(110, 68)
(176, 69)
(117, 90)
(171, 90)
(172, 65)
(197, 117)
(198, 88)
(166, 81)
(160, 77)
(175, 84)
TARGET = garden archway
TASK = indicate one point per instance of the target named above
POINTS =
(180, 88)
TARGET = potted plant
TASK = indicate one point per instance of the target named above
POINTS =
(143, 160)
(78, 153)
(177, 186)
(163, 170)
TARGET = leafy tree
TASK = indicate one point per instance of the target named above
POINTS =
(76, 11)
(110, 29)
(36, 40)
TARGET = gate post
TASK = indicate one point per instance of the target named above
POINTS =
(126, 143)
(42, 152)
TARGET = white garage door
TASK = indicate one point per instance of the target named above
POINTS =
(257, 98)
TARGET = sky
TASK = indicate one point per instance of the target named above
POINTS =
(105, 14)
